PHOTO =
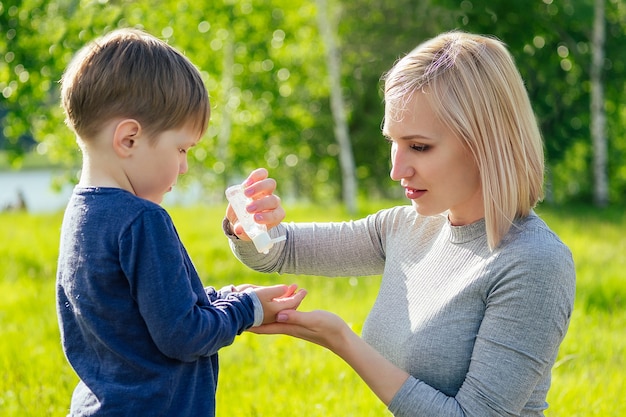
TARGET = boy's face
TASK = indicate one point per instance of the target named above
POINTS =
(155, 165)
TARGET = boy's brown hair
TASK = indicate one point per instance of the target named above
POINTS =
(131, 74)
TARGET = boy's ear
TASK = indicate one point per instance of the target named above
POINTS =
(125, 137)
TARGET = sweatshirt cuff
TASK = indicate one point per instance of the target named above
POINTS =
(228, 230)
(256, 303)
(258, 307)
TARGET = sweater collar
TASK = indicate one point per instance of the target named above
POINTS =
(467, 233)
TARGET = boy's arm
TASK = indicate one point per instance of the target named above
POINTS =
(227, 290)
(268, 301)
(181, 320)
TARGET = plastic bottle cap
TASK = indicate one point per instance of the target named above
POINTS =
(264, 242)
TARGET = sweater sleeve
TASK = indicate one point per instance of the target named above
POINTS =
(528, 309)
(182, 320)
(353, 248)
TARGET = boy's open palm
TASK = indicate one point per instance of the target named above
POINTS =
(277, 298)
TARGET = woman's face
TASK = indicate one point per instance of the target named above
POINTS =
(437, 172)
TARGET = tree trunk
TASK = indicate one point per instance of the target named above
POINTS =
(223, 136)
(598, 116)
(342, 136)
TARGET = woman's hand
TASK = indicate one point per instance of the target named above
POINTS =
(320, 327)
(266, 206)
(330, 331)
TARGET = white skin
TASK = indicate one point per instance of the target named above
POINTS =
(437, 173)
(123, 156)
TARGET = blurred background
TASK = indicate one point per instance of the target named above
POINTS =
(295, 87)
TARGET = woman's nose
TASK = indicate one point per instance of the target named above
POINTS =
(399, 167)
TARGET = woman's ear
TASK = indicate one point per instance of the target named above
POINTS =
(125, 137)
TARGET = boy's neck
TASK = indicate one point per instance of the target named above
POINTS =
(98, 173)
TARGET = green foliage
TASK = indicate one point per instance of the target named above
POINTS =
(281, 376)
(551, 42)
(263, 64)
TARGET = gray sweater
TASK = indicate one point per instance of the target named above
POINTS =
(477, 330)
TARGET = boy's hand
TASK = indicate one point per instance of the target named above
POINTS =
(243, 287)
(277, 298)
(266, 206)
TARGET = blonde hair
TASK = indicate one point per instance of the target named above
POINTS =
(129, 73)
(474, 87)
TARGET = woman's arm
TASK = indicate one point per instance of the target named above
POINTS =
(528, 306)
(352, 248)
(330, 331)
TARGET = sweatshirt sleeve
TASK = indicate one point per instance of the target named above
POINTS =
(229, 289)
(351, 248)
(182, 320)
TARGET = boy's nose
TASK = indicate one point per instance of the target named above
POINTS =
(183, 168)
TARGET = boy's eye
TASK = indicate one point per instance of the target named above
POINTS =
(181, 150)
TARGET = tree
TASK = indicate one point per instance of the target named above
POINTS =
(338, 107)
(374, 34)
(550, 43)
(615, 97)
(267, 78)
(598, 117)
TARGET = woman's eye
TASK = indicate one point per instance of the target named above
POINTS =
(420, 148)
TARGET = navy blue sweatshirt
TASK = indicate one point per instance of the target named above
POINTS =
(137, 325)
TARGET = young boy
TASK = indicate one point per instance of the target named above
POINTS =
(136, 323)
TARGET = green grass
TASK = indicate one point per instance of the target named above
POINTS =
(281, 376)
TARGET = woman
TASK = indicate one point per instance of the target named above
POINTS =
(476, 291)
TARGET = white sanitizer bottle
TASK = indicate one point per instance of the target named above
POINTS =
(257, 232)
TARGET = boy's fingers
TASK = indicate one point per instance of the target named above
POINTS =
(298, 297)
(284, 291)
(291, 289)
(272, 292)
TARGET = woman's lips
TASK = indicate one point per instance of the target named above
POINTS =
(412, 193)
